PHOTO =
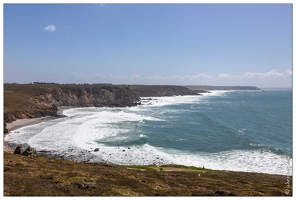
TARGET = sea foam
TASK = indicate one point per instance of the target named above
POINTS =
(117, 136)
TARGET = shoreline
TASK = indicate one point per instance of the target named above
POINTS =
(20, 123)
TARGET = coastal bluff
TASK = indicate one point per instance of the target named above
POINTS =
(43, 99)
(37, 100)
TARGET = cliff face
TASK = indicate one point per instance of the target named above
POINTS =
(36, 100)
(30, 112)
(98, 96)
(29, 101)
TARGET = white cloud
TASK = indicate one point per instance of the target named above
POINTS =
(268, 79)
(273, 73)
(186, 77)
(99, 75)
(288, 72)
(228, 76)
(135, 76)
(137, 79)
(175, 79)
(224, 76)
(272, 78)
(50, 28)
(201, 76)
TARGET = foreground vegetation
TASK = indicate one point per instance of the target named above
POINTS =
(43, 176)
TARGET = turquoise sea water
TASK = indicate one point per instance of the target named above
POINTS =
(232, 130)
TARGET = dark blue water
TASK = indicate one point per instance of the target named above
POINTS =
(241, 120)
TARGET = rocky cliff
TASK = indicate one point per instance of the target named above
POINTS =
(95, 95)
(36, 100)
(40, 99)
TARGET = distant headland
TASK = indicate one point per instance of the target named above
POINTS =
(208, 87)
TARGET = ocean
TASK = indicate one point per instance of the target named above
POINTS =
(248, 131)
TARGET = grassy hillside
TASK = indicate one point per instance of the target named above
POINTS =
(24, 176)
(19, 96)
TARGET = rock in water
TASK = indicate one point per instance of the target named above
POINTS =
(96, 149)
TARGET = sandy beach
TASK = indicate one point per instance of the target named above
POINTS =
(27, 122)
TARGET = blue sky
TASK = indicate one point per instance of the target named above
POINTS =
(180, 44)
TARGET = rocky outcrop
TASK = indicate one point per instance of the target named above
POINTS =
(30, 112)
(18, 149)
(29, 151)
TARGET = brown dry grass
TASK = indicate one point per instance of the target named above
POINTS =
(20, 96)
(44, 176)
